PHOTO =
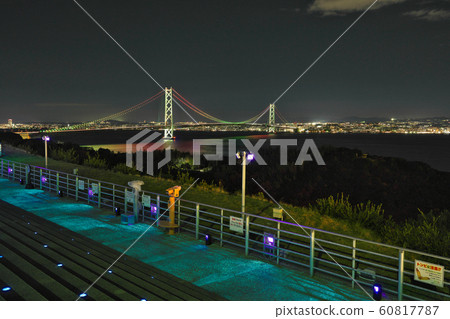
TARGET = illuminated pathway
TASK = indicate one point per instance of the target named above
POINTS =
(221, 270)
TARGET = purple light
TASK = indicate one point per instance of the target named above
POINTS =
(207, 237)
(376, 288)
(91, 192)
(250, 157)
(10, 170)
(153, 208)
(46, 138)
(44, 179)
(270, 240)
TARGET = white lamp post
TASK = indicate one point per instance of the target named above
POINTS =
(46, 139)
(244, 157)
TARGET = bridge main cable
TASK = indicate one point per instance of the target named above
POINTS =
(202, 113)
(115, 115)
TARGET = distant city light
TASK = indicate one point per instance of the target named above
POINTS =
(91, 193)
(6, 288)
(110, 271)
(46, 138)
(59, 265)
(250, 157)
(82, 295)
(45, 246)
(10, 170)
(44, 179)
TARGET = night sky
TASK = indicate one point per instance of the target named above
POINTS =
(231, 58)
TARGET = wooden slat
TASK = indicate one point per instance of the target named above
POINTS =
(131, 279)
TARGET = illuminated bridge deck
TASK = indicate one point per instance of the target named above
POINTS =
(45, 261)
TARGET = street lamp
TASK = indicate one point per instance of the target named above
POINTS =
(245, 157)
(46, 139)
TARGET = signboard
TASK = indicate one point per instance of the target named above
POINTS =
(129, 196)
(81, 185)
(94, 188)
(145, 200)
(429, 273)
(237, 224)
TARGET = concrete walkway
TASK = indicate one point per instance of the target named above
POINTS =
(222, 270)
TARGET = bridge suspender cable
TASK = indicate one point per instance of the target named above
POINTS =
(202, 113)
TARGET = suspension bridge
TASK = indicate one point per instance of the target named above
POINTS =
(169, 125)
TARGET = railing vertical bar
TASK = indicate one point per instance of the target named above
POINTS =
(401, 264)
(278, 242)
(221, 227)
(311, 253)
(353, 262)
(247, 232)
(197, 220)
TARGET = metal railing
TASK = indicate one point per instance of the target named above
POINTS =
(365, 261)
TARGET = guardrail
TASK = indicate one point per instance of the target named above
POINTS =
(278, 241)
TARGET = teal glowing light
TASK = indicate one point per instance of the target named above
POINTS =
(110, 271)
(6, 289)
(45, 246)
(59, 265)
(82, 295)
(143, 299)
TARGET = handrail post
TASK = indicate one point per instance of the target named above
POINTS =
(179, 213)
(57, 182)
(221, 227)
(40, 178)
(114, 197)
(76, 188)
(311, 253)
(353, 262)
(247, 233)
(14, 171)
(278, 242)
(401, 264)
(99, 194)
(197, 220)
(158, 204)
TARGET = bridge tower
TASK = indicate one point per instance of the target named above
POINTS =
(168, 114)
(271, 118)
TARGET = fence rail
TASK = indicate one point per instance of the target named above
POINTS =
(364, 261)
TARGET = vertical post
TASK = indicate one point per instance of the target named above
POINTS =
(99, 194)
(40, 178)
(2, 169)
(311, 253)
(14, 172)
(247, 232)
(114, 197)
(76, 188)
(57, 182)
(67, 185)
(221, 227)
(197, 220)
(353, 262)
(45, 141)
(278, 242)
(158, 205)
(125, 204)
(244, 164)
(401, 264)
(179, 212)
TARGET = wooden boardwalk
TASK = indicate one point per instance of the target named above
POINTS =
(41, 260)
